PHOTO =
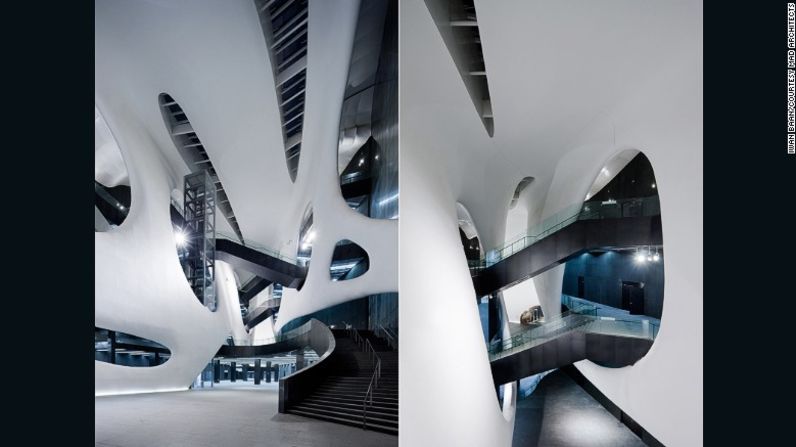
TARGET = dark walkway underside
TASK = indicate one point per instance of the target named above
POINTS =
(560, 413)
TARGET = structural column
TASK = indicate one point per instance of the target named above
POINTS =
(299, 360)
(429, 224)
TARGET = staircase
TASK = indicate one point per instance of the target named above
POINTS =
(339, 398)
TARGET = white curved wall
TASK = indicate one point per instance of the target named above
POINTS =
(331, 36)
(663, 390)
(445, 384)
(227, 291)
(522, 296)
(211, 57)
(109, 168)
(571, 84)
(140, 288)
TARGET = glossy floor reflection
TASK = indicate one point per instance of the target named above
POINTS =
(238, 414)
(561, 414)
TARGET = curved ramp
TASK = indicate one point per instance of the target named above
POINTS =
(565, 244)
(313, 334)
(261, 313)
(271, 267)
(575, 335)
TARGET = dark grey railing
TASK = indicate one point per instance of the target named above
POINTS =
(366, 347)
(295, 387)
(392, 339)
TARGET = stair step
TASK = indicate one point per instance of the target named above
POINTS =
(354, 401)
(356, 393)
(360, 394)
(356, 418)
(339, 398)
(371, 425)
(358, 405)
(361, 386)
(357, 390)
(360, 379)
(372, 411)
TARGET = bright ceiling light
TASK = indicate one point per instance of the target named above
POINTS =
(653, 185)
(361, 161)
(656, 257)
(180, 237)
(640, 257)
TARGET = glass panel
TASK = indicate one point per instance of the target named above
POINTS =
(581, 316)
(593, 210)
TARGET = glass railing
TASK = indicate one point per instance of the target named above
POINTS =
(546, 330)
(592, 210)
(580, 316)
(255, 246)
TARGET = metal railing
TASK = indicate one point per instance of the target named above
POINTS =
(392, 339)
(255, 246)
(581, 316)
(366, 347)
(592, 210)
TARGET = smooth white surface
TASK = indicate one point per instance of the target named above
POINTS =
(227, 291)
(109, 167)
(572, 84)
(331, 35)
(100, 223)
(522, 296)
(445, 384)
(211, 57)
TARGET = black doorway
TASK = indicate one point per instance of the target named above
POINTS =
(633, 297)
(581, 287)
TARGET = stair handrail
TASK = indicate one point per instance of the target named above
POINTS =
(374, 383)
(366, 347)
(372, 355)
(589, 210)
(391, 340)
(354, 334)
(257, 247)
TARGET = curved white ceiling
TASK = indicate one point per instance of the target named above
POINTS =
(210, 57)
(109, 167)
(554, 69)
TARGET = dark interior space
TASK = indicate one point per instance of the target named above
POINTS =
(636, 179)
(113, 203)
(471, 246)
(602, 277)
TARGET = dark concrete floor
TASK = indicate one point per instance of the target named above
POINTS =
(233, 415)
(561, 414)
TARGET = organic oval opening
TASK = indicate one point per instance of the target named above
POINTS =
(125, 349)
